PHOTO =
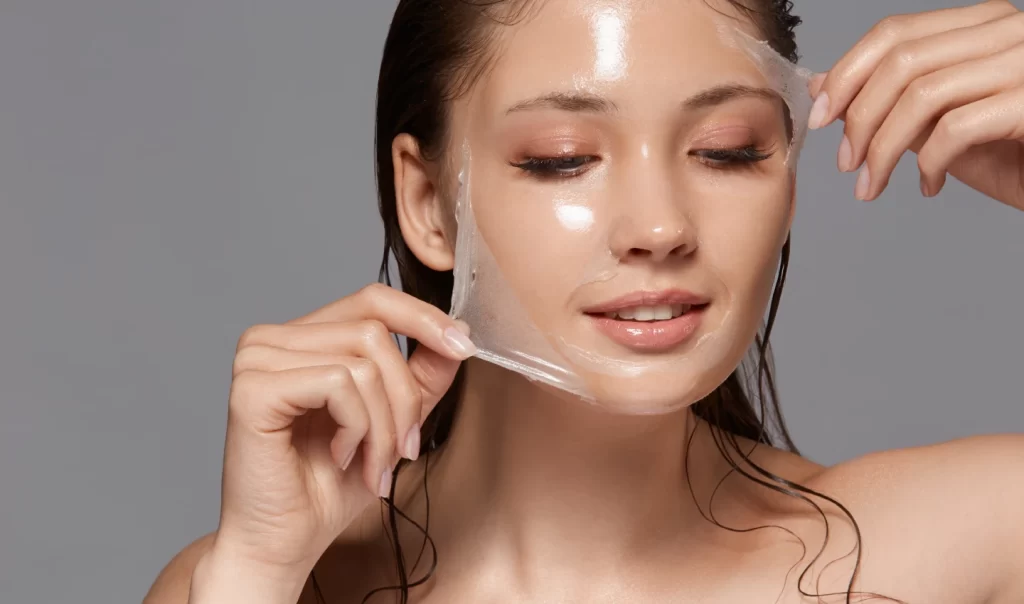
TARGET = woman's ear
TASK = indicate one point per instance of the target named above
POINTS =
(421, 209)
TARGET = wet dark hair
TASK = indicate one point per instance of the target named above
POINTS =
(435, 50)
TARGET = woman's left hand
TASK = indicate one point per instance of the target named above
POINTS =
(947, 84)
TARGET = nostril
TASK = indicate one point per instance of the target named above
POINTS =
(681, 250)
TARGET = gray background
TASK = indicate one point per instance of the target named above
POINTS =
(171, 172)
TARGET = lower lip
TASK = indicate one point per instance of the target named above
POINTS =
(651, 336)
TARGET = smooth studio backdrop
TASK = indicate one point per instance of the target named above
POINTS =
(172, 172)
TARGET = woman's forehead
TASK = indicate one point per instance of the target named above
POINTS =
(610, 48)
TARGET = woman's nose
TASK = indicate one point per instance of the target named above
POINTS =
(654, 228)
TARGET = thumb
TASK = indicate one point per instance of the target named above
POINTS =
(435, 372)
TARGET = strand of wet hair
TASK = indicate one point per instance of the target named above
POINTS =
(404, 585)
(797, 491)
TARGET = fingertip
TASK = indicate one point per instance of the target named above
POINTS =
(819, 116)
(457, 341)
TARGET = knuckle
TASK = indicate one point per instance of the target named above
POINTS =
(248, 358)
(372, 292)
(374, 332)
(903, 57)
(340, 379)
(367, 372)
(919, 93)
(890, 27)
(250, 336)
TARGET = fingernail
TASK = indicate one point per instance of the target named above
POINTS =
(863, 184)
(348, 459)
(385, 483)
(924, 187)
(459, 343)
(412, 443)
(845, 155)
(819, 112)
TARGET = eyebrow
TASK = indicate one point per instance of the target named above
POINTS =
(727, 92)
(590, 103)
(566, 101)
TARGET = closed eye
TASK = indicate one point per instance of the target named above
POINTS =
(555, 167)
(732, 158)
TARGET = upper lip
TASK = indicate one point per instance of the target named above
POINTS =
(648, 298)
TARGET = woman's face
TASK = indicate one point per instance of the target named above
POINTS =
(629, 178)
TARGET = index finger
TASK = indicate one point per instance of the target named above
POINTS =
(846, 79)
(400, 313)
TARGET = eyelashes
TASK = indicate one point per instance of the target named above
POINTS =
(742, 156)
(574, 165)
(556, 167)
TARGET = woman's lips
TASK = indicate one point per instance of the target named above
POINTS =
(651, 336)
(648, 298)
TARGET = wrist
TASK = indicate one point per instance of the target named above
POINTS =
(220, 578)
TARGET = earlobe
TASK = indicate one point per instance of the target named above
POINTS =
(420, 206)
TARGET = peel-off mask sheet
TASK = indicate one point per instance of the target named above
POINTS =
(584, 283)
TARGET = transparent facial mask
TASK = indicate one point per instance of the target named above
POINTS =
(603, 234)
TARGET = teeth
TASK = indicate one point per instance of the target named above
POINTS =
(649, 313)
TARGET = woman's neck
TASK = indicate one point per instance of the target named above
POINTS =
(532, 478)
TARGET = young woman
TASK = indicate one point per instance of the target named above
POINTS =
(530, 496)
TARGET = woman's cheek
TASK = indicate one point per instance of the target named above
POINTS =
(742, 247)
(534, 254)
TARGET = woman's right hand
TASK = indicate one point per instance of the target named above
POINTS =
(321, 409)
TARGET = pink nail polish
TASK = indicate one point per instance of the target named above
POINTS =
(348, 460)
(819, 112)
(845, 155)
(385, 483)
(863, 184)
(458, 343)
(412, 443)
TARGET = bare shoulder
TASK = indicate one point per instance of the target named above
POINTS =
(173, 584)
(951, 510)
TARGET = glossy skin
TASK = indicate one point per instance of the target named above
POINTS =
(536, 499)
(637, 145)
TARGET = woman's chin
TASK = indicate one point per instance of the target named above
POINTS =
(647, 395)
